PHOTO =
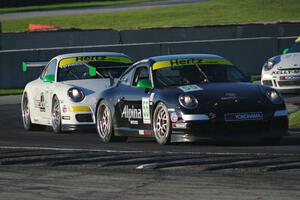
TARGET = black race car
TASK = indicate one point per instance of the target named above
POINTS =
(187, 97)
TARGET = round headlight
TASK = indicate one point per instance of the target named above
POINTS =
(274, 96)
(269, 64)
(188, 101)
(76, 94)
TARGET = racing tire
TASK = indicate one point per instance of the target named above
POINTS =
(56, 115)
(104, 124)
(162, 124)
(28, 125)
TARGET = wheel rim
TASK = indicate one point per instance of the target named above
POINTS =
(161, 126)
(25, 113)
(104, 121)
(56, 115)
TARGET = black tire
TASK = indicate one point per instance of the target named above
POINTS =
(56, 115)
(104, 124)
(28, 125)
(162, 124)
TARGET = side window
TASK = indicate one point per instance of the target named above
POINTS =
(126, 78)
(141, 73)
(50, 69)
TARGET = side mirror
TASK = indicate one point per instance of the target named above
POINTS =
(285, 51)
(144, 84)
(49, 78)
(92, 71)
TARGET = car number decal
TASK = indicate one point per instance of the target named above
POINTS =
(146, 110)
(190, 88)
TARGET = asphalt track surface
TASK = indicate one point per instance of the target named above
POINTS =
(90, 10)
(44, 165)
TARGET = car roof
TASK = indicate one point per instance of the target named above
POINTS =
(182, 56)
(59, 57)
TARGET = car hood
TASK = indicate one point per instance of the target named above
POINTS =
(89, 85)
(289, 61)
(226, 91)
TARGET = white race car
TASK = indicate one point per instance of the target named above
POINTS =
(64, 96)
(283, 71)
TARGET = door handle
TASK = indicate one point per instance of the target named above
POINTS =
(121, 99)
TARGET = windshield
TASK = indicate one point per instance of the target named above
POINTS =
(79, 71)
(195, 74)
(295, 48)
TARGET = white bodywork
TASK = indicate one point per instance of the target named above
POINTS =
(40, 96)
(285, 72)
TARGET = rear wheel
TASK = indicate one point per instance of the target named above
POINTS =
(56, 115)
(161, 124)
(26, 116)
(104, 124)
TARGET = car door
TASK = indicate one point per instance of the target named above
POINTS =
(133, 102)
(43, 93)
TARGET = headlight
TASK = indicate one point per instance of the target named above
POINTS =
(269, 65)
(274, 96)
(76, 94)
(188, 101)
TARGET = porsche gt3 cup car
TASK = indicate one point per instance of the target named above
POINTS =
(64, 96)
(188, 97)
(283, 71)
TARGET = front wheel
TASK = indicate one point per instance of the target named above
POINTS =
(56, 115)
(161, 124)
(105, 126)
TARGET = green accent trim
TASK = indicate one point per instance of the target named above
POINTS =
(49, 78)
(285, 51)
(92, 71)
(24, 66)
(144, 84)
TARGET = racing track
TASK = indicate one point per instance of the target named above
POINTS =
(44, 165)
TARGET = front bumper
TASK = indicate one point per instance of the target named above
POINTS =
(206, 128)
(282, 83)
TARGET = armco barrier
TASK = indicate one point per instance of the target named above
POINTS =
(248, 54)
(68, 38)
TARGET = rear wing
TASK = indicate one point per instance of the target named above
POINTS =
(38, 64)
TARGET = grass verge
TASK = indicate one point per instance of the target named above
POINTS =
(206, 13)
(294, 120)
(70, 5)
(4, 92)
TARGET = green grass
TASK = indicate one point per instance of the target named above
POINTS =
(69, 5)
(207, 13)
(10, 91)
(294, 120)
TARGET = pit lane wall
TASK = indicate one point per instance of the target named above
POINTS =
(248, 54)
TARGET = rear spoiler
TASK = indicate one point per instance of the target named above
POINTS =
(25, 65)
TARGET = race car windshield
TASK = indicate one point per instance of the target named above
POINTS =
(196, 74)
(80, 71)
(295, 48)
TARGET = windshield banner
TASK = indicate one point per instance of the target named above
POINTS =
(189, 61)
(85, 59)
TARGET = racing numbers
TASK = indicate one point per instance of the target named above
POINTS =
(146, 110)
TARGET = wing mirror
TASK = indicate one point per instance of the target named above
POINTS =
(285, 51)
(92, 71)
(144, 84)
(48, 78)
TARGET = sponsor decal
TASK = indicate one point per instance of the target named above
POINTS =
(66, 117)
(189, 61)
(146, 110)
(190, 88)
(131, 113)
(212, 116)
(134, 122)
(84, 59)
(65, 109)
(287, 72)
(291, 78)
(145, 133)
(243, 116)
